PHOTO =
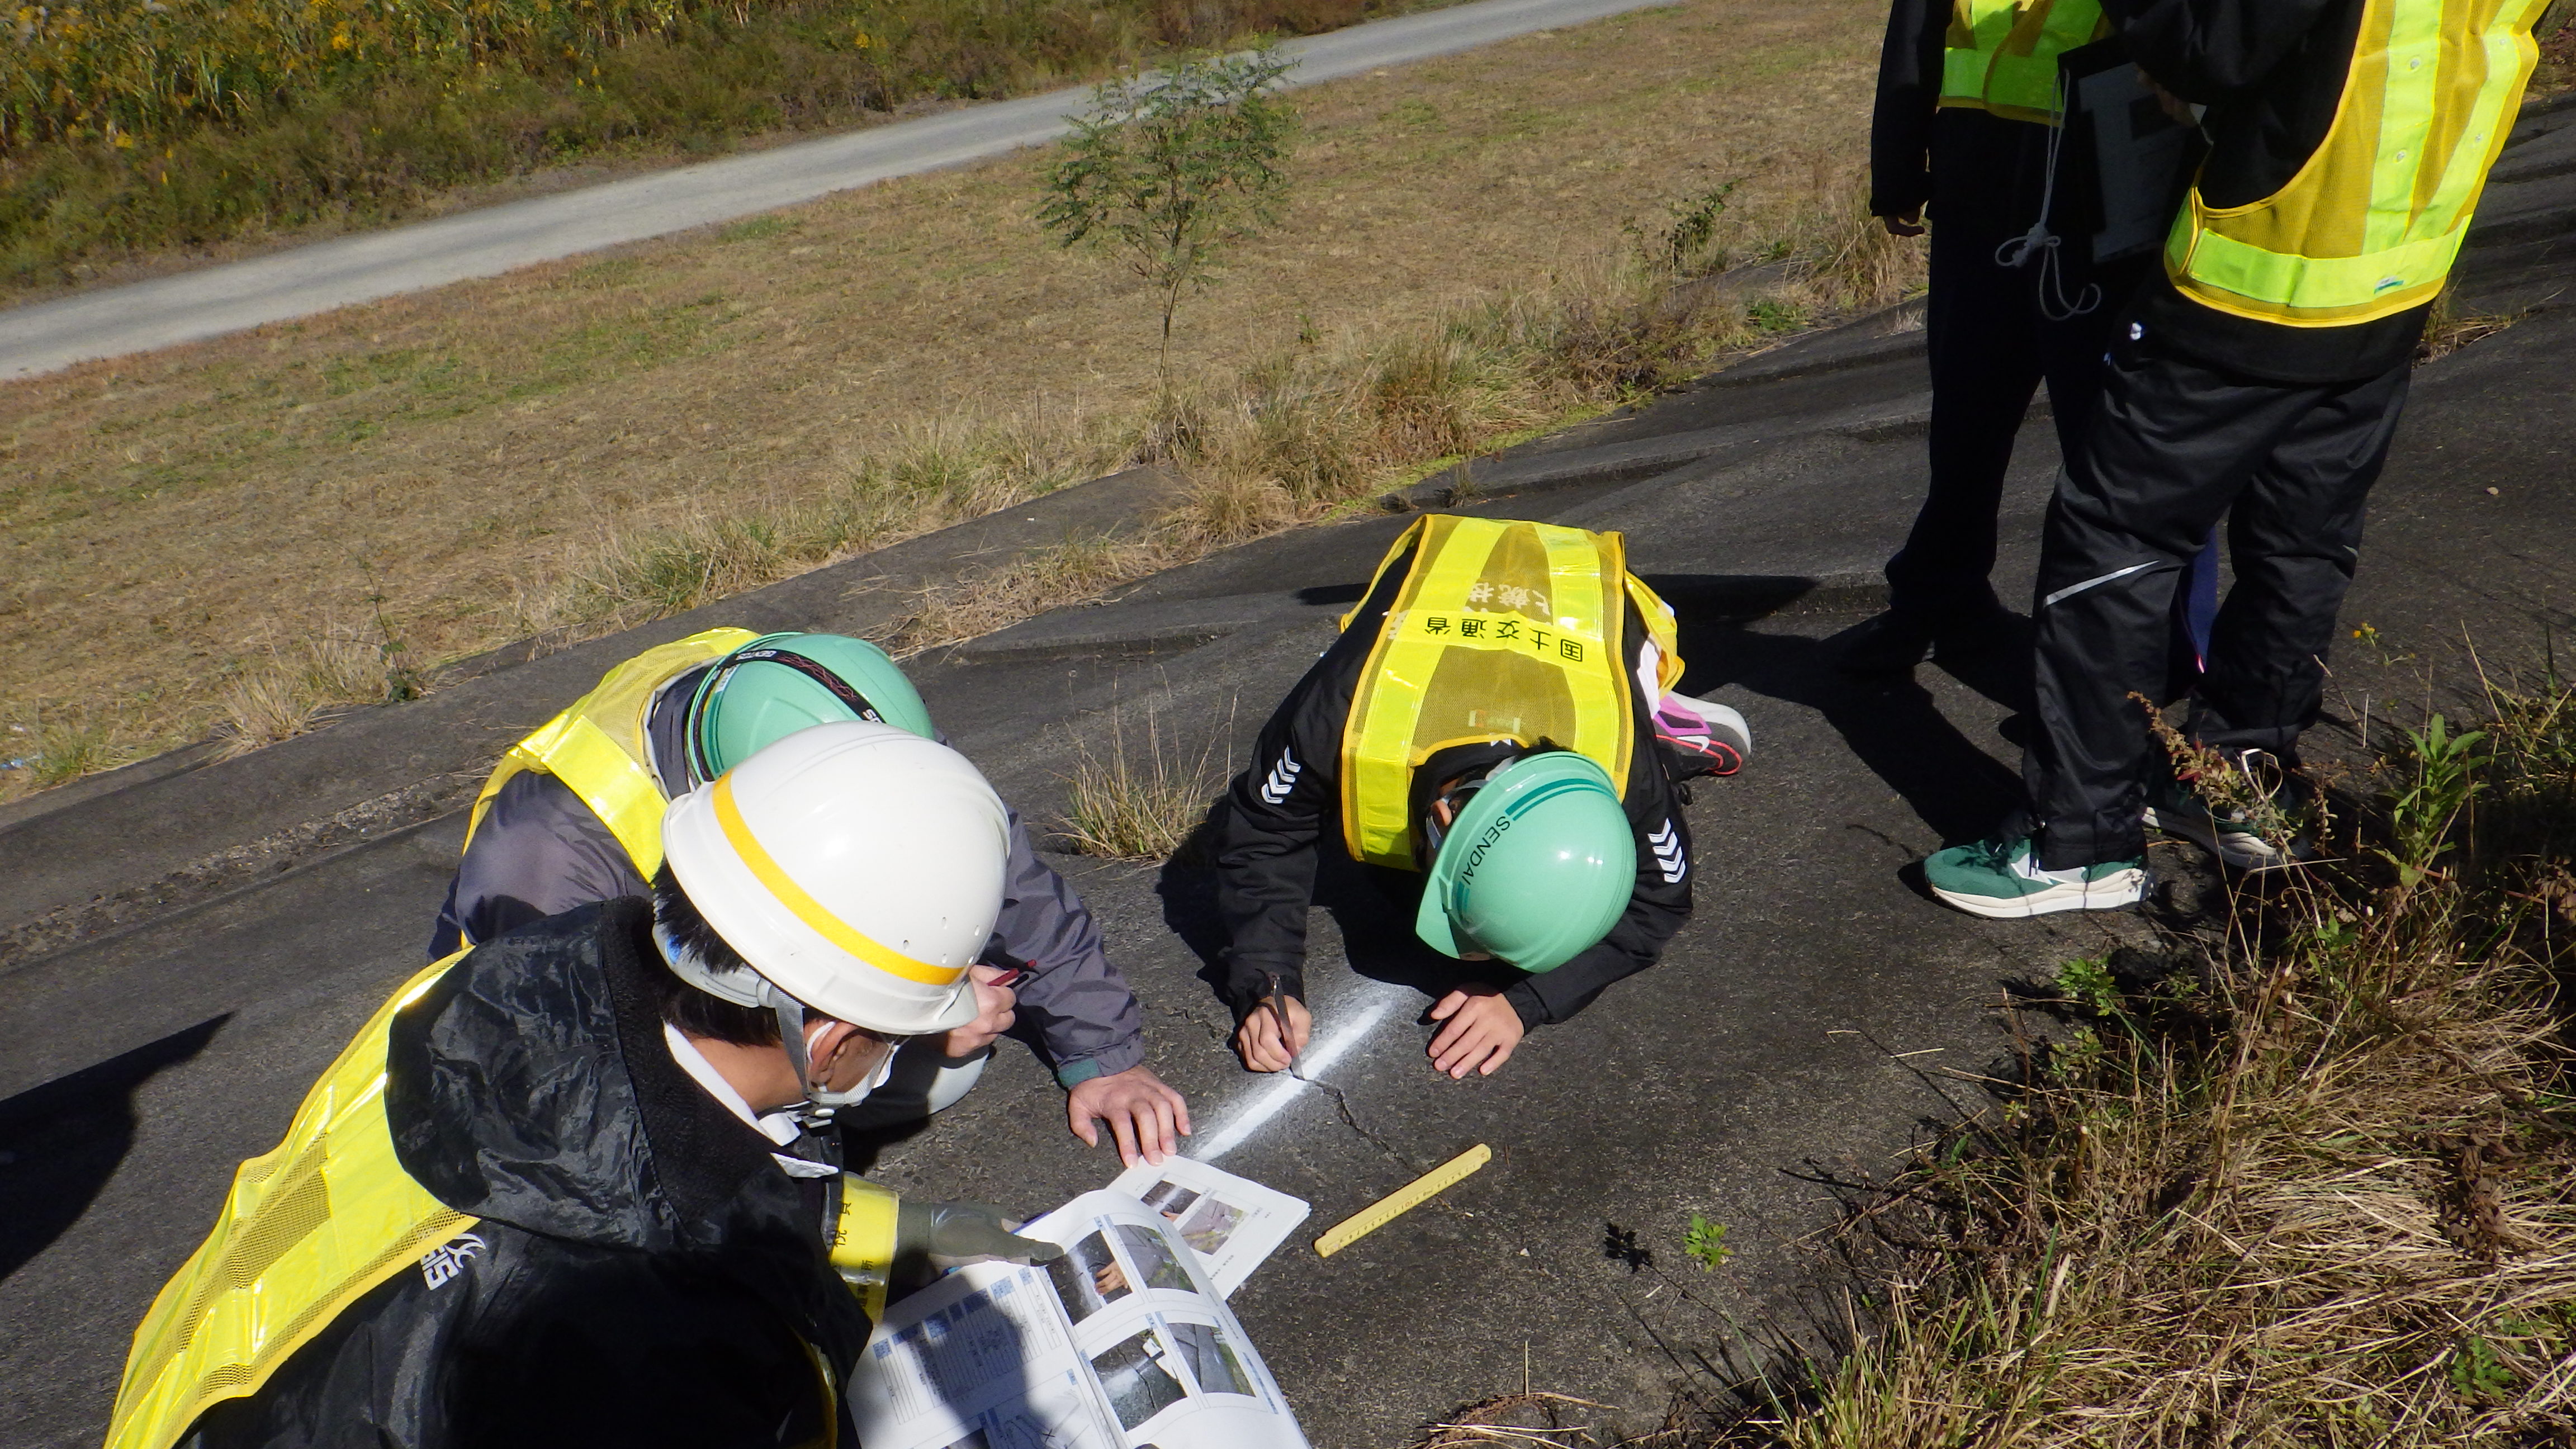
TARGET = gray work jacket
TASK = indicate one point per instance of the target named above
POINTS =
(541, 851)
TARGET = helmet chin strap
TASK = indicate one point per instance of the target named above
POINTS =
(820, 1102)
(747, 988)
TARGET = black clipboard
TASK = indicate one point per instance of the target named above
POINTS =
(2123, 165)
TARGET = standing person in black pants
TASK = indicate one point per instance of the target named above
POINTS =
(2260, 377)
(1967, 104)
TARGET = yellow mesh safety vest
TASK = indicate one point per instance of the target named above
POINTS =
(2369, 226)
(1502, 631)
(2001, 55)
(308, 1230)
(597, 747)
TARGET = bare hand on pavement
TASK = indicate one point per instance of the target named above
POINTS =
(995, 1008)
(1147, 1118)
(1481, 1030)
(1259, 1042)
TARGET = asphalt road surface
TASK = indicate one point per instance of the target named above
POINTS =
(1816, 1016)
(113, 321)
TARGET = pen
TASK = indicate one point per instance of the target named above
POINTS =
(1274, 999)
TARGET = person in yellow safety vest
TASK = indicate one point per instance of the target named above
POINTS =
(2261, 377)
(1965, 130)
(1496, 723)
(574, 814)
(558, 1191)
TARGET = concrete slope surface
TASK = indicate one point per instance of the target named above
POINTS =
(238, 296)
(1816, 1015)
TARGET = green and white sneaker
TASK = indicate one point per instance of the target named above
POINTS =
(2002, 878)
(2230, 833)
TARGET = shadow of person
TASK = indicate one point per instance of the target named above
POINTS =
(61, 1141)
(1890, 723)
(1186, 885)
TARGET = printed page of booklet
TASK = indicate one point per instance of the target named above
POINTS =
(1122, 1343)
(1234, 1223)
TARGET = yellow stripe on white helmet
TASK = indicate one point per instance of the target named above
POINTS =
(858, 867)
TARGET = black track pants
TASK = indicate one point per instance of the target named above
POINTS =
(2171, 447)
(1991, 346)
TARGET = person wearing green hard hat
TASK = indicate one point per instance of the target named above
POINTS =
(574, 815)
(1496, 723)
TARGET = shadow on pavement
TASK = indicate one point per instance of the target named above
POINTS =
(1890, 723)
(61, 1142)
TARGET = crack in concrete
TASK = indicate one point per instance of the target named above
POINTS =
(1350, 1119)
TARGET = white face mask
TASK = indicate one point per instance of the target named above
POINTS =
(829, 1101)
(746, 988)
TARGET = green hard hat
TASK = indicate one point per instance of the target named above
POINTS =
(781, 683)
(1538, 866)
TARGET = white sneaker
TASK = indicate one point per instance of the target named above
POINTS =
(1710, 738)
(2002, 879)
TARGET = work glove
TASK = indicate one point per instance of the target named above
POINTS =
(931, 1237)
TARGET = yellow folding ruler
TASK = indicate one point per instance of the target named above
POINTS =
(1403, 1200)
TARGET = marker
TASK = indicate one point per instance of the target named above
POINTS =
(1274, 999)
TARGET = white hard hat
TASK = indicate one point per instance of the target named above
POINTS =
(857, 867)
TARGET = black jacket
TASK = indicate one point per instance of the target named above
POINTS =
(1969, 167)
(2272, 74)
(642, 1274)
(1288, 800)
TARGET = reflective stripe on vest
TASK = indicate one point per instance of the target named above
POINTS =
(1502, 631)
(2370, 225)
(862, 1245)
(2001, 55)
(597, 746)
(307, 1231)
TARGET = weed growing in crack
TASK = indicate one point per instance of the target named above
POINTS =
(2319, 1201)
(1126, 811)
(1705, 1243)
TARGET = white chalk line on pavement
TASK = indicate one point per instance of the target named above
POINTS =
(1318, 1059)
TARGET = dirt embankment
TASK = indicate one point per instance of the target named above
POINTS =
(427, 472)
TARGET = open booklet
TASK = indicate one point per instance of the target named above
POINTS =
(1125, 1342)
(1233, 1223)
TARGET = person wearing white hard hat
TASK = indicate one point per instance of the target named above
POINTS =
(559, 1189)
(574, 811)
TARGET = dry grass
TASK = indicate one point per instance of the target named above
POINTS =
(1129, 811)
(2447, 329)
(1303, 433)
(517, 454)
(285, 694)
(2303, 1182)
(1066, 574)
(2556, 32)
(932, 476)
(57, 748)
